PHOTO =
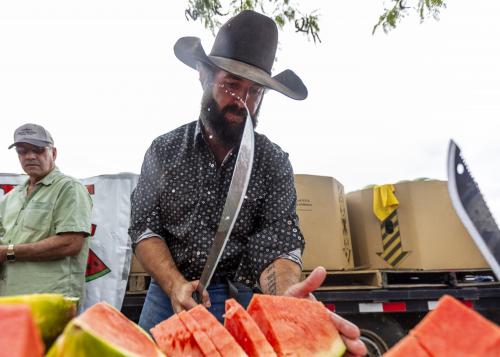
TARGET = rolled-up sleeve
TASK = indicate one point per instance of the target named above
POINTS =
(146, 213)
(73, 209)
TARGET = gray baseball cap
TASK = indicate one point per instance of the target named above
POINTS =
(33, 134)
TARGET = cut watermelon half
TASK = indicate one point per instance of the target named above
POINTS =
(174, 339)
(407, 347)
(221, 338)
(19, 332)
(296, 327)
(245, 331)
(454, 329)
(102, 330)
(51, 312)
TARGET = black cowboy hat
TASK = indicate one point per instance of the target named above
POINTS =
(245, 46)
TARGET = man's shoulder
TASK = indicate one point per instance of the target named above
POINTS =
(264, 146)
(177, 135)
(63, 180)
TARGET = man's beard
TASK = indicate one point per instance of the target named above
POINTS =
(228, 133)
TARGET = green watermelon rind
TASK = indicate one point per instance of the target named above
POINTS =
(337, 349)
(78, 340)
(51, 312)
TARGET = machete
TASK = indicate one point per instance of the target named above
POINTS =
(472, 210)
(234, 200)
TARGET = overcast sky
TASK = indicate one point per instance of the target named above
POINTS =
(101, 76)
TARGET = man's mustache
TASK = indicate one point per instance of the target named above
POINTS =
(234, 109)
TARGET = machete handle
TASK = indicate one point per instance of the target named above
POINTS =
(197, 296)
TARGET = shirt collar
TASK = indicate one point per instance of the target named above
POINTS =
(49, 178)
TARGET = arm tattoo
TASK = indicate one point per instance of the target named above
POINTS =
(271, 279)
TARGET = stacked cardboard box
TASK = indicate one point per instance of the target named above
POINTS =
(424, 232)
(136, 267)
(322, 212)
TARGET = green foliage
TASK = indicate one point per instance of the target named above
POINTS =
(400, 8)
(211, 13)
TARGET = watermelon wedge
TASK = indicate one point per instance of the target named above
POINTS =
(407, 347)
(296, 327)
(454, 329)
(19, 335)
(102, 330)
(221, 338)
(204, 342)
(174, 339)
(245, 331)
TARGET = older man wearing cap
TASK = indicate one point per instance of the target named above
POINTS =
(43, 223)
(186, 173)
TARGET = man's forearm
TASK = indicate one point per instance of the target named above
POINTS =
(279, 276)
(155, 257)
(51, 248)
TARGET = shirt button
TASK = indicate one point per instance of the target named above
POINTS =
(212, 165)
(289, 222)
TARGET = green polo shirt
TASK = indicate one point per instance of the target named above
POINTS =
(58, 204)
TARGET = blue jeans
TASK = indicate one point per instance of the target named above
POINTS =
(157, 306)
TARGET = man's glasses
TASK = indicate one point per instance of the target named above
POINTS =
(35, 149)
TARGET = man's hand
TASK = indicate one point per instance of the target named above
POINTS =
(348, 331)
(181, 296)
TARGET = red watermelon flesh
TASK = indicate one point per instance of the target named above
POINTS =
(407, 347)
(19, 336)
(221, 338)
(453, 329)
(112, 326)
(204, 342)
(245, 331)
(174, 339)
(296, 327)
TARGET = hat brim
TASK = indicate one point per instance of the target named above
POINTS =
(190, 51)
(39, 143)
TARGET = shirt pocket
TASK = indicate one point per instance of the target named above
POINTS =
(179, 200)
(38, 216)
(249, 218)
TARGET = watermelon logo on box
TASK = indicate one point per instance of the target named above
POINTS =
(95, 266)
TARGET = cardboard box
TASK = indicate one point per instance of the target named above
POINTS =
(431, 236)
(324, 223)
(136, 267)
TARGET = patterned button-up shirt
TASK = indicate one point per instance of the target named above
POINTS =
(181, 194)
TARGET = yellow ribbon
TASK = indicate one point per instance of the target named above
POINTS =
(384, 201)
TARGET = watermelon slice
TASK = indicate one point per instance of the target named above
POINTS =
(19, 335)
(221, 338)
(204, 342)
(102, 330)
(174, 339)
(453, 329)
(296, 327)
(95, 267)
(245, 331)
(407, 347)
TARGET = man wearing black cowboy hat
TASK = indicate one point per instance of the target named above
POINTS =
(185, 176)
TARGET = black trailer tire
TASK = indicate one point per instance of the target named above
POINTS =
(379, 332)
